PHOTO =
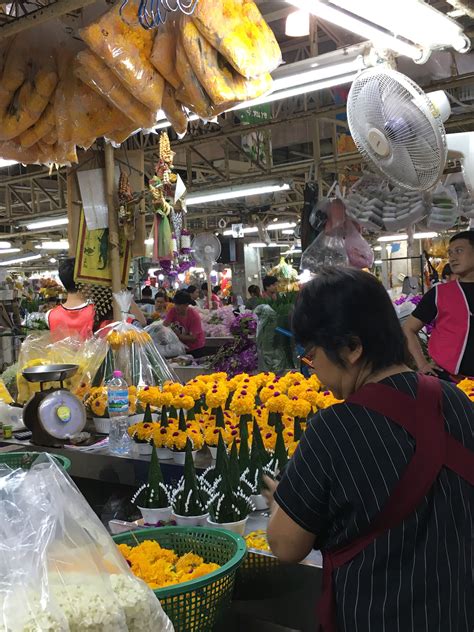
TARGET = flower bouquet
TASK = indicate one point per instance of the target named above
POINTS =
(143, 432)
(189, 498)
(153, 498)
(241, 354)
(179, 434)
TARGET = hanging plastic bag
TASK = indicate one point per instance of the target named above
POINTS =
(328, 249)
(60, 570)
(166, 341)
(444, 208)
(132, 351)
(359, 252)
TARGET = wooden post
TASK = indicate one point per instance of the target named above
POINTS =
(73, 211)
(114, 249)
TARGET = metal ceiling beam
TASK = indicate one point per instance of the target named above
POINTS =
(55, 10)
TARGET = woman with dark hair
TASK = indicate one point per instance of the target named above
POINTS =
(383, 482)
(186, 323)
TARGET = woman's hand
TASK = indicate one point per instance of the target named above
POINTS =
(430, 369)
(269, 490)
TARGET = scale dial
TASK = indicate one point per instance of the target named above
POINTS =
(62, 414)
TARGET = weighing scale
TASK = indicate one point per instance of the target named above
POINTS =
(55, 414)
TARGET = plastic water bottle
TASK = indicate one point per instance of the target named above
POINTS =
(117, 400)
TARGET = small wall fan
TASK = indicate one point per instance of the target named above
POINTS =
(399, 129)
(206, 250)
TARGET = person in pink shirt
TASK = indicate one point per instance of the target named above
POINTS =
(215, 300)
(186, 324)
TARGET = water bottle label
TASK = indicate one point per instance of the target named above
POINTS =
(118, 402)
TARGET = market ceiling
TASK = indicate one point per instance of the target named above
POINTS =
(211, 155)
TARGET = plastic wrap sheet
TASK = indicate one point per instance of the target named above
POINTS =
(132, 351)
(28, 80)
(219, 79)
(238, 31)
(125, 47)
(271, 355)
(191, 93)
(359, 252)
(163, 56)
(174, 110)
(82, 114)
(59, 568)
(93, 72)
(41, 348)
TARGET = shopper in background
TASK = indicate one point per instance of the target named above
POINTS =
(147, 304)
(215, 300)
(193, 292)
(270, 287)
(255, 297)
(186, 323)
(162, 305)
(76, 315)
(450, 306)
(383, 482)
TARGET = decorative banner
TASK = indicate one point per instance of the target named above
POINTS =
(254, 143)
(92, 256)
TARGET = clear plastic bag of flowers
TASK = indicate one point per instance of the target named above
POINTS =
(41, 348)
(166, 341)
(59, 568)
(132, 351)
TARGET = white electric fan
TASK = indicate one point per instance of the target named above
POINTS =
(399, 128)
(206, 251)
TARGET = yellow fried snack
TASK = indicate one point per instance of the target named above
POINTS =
(163, 56)
(238, 31)
(222, 83)
(95, 74)
(28, 104)
(174, 111)
(191, 92)
(125, 47)
(42, 128)
(12, 150)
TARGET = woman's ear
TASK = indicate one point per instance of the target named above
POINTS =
(352, 353)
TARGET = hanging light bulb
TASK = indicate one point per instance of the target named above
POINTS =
(297, 24)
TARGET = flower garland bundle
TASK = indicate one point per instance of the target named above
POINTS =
(467, 386)
(118, 339)
(241, 354)
(160, 567)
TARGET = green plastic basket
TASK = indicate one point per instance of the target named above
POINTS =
(26, 459)
(197, 605)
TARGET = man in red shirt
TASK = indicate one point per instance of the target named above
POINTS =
(186, 323)
(76, 315)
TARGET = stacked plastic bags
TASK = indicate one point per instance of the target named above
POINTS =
(59, 568)
(57, 95)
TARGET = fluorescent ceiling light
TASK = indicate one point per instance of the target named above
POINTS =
(11, 262)
(7, 163)
(258, 244)
(53, 260)
(288, 231)
(301, 89)
(428, 235)
(62, 244)
(377, 248)
(354, 24)
(315, 73)
(48, 223)
(296, 251)
(234, 192)
(378, 262)
(415, 21)
(8, 251)
(5, 244)
(297, 24)
(248, 230)
(388, 238)
(282, 226)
